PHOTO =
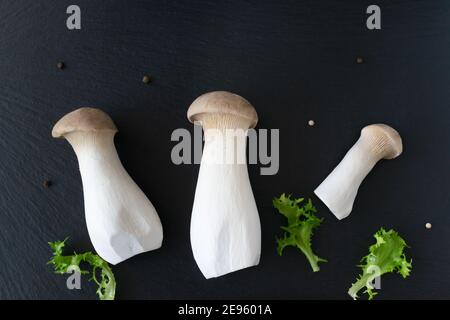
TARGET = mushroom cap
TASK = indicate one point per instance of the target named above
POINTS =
(388, 136)
(222, 102)
(85, 120)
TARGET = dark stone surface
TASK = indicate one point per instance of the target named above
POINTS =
(294, 61)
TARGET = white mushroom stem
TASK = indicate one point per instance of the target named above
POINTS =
(120, 219)
(338, 191)
(225, 226)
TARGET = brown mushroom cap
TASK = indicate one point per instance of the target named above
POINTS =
(222, 102)
(83, 119)
(388, 138)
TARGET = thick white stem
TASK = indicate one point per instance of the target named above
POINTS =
(338, 191)
(121, 221)
(225, 226)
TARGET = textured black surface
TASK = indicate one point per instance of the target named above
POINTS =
(294, 61)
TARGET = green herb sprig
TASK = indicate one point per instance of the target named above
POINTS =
(301, 223)
(385, 256)
(63, 264)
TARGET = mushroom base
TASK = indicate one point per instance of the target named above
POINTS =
(338, 191)
(121, 221)
(225, 226)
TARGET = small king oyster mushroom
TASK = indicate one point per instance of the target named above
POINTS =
(120, 219)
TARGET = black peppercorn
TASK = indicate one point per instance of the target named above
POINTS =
(146, 79)
(47, 183)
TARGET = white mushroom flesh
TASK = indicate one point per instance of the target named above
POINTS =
(225, 226)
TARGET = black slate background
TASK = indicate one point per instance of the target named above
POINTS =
(295, 61)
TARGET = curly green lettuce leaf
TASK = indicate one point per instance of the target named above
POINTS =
(65, 264)
(299, 230)
(385, 256)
